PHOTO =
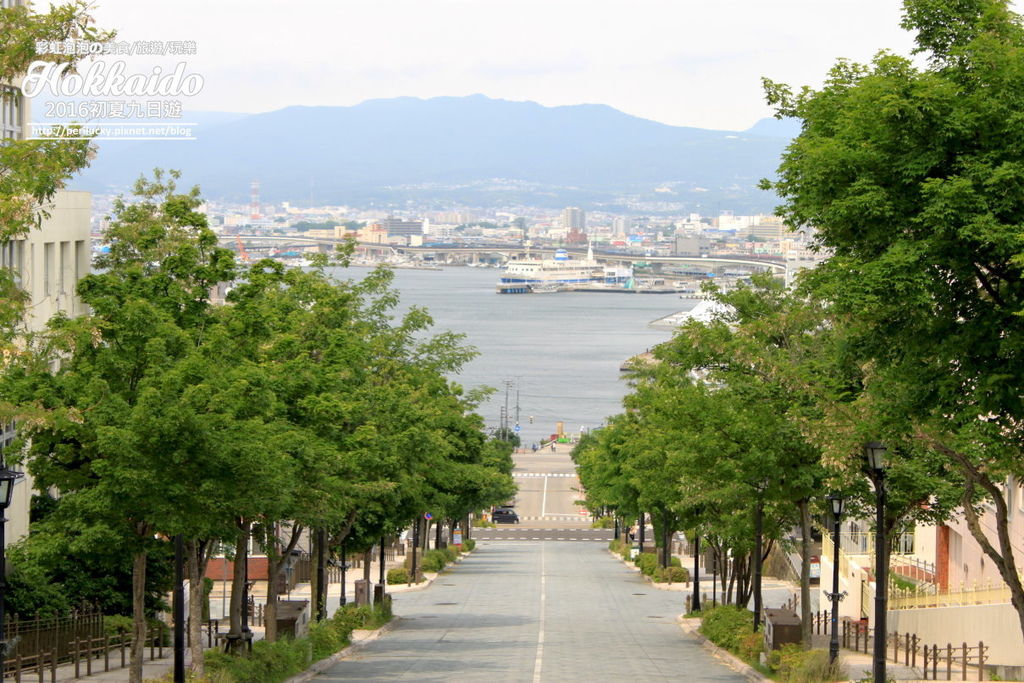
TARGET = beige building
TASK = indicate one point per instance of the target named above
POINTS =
(47, 264)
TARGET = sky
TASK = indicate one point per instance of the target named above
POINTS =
(681, 62)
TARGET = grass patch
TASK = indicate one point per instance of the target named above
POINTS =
(275, 662)
(792, 664)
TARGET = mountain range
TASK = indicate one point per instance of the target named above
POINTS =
(474, 150)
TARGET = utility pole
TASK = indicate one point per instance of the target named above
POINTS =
(518, 382)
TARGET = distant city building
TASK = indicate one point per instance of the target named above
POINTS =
(692, 246)
(620, 225)
(768, 228)
(574, 219)
(399, 227)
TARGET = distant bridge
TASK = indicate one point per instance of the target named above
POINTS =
(257, 243)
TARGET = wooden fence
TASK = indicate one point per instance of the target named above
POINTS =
(908, 649)
(40, 646)
(86, 655)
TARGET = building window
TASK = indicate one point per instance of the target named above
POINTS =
(10, 113)
(48, 256)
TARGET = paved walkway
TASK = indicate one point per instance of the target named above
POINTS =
(536, 611)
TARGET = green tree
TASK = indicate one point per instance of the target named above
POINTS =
(911, 178)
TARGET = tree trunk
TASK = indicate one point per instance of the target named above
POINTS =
(1003, 557)
(758, 559)
(138, 616)
(805, 572)
(276, 560)
(197, 554)
(238, 579)
(273, 566)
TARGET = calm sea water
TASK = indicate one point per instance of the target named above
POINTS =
(563, 351)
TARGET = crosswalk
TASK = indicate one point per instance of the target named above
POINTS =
(527, 475)
(513, 534)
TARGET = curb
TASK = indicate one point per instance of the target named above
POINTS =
(319, 667)
(428, 580)
(649, 580)
(728, 658)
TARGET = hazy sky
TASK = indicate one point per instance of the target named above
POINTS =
(681, 62)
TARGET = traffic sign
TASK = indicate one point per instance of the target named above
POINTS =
(427, 515)
(517, 428)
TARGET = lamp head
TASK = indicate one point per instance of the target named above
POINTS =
(7, 479)
(875, 451)
(837, 504)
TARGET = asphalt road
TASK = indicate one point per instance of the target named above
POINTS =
(511, 532)
(535, 611)
(549, 490)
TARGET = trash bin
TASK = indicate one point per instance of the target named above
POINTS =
(292, 618)
(781, 626)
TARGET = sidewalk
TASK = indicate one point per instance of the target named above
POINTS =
(776, 593)
(154, 670)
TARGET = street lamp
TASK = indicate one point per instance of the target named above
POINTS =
(8, 477)
(836, 502)
(695, 602)
(178, 608)
(874, 452)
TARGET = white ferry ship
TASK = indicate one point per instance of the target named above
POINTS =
(546, 275)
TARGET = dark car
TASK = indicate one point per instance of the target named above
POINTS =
(504, 515)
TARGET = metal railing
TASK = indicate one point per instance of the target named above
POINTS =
(951, 661)
(988, 593)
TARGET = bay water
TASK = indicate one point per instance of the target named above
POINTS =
(560, 352)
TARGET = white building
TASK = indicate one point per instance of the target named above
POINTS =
(47, 264)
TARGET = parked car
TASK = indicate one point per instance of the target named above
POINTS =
(504, 515)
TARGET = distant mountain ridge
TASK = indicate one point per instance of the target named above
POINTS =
(455, 148)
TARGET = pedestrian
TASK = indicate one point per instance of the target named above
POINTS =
(534, 447)
(552, 446)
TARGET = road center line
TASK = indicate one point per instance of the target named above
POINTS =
(538, 662)
(544, 499)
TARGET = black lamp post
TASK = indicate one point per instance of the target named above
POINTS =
(7, 479)
(344, 568)
(695, 602)
(179, 608)
(836, 502)
(875, 454)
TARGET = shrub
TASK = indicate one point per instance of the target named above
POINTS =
(483, 523)
(434, 560)
(621, 547)
(450, 553)
(648, 563)
(751, 646)
(272, 662)
(672, 574)
(326, 638)
(268, 663)
(469, 545)
(603, 523)
(796, 665)
(727, 626)
(398, 575)
(117, 624)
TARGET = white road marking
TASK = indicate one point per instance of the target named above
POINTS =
(538, 662)
(544, 499)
